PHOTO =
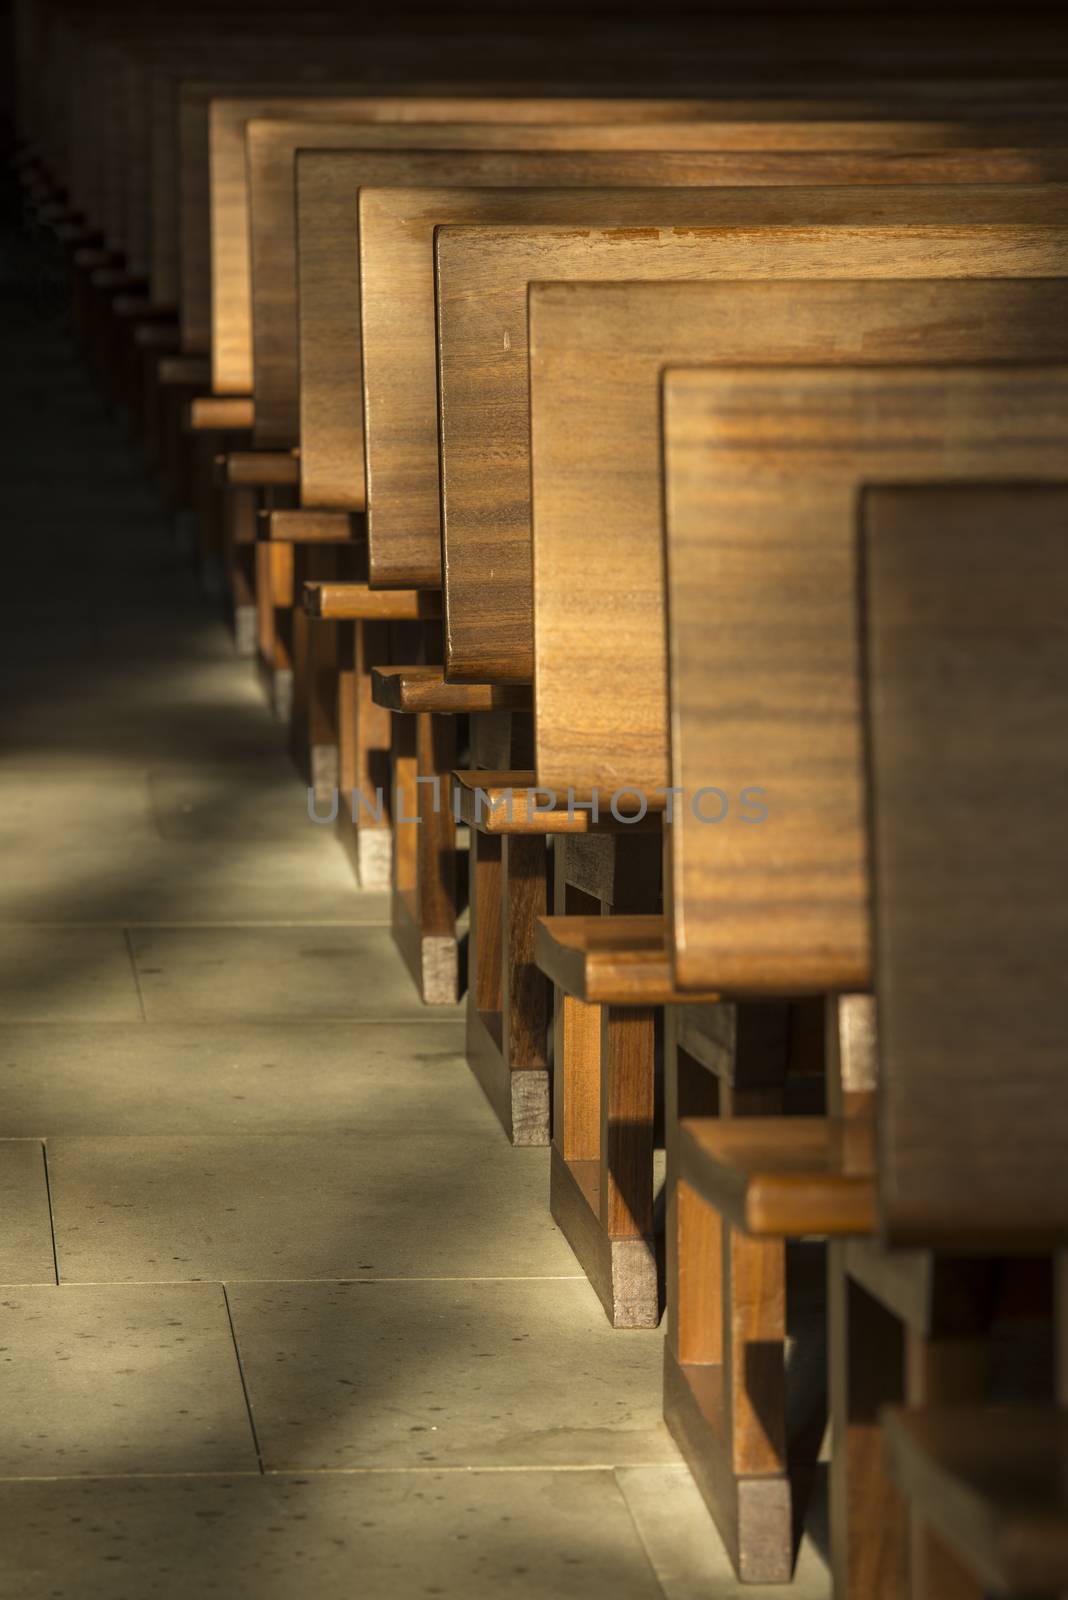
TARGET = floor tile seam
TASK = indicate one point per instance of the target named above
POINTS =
(375, 1019)
(284, 1474)
(247, 1283)
(51, 1210)
(244, 1381)
(131, 957)
(129, 924)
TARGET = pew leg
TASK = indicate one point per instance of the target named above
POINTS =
(238, 513)
(949, 1370)
(364, 737)
(601, 1183)
(508, 997)
(724, 1369)
(628, 1050)
(274, 601)
(423, 917)
(313, 728)
(208, 508)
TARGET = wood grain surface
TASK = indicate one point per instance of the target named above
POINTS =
(764, 470)
(596, 355)
(483, 278)
(398, 329)
(965, 594)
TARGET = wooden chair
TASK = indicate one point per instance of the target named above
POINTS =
(783, 1178)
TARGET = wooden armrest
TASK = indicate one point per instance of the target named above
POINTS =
(183, 370)
(782, 1177)
(609, 960)
(358, 602)
(313, 527)
(425, 689)
(484, 803)
(258, 469)
(224, 412)
(993, 1486)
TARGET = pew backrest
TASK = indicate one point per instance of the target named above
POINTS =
(964, 595)
(769, 862)
(483, 276)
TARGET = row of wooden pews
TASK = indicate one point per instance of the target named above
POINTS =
(638, 473)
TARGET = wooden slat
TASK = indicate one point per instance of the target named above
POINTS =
(966, 593)
(483, 276)
(424, 689)
(782, 1177)
(765, 675)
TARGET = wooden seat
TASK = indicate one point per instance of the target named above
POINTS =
(509, 803)
(783, 1177)
(358, 602)
(424, 688)
(608, 960)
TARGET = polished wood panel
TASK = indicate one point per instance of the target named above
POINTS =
(785, 904)
(483, 277)
(398, 328)
(965, 596)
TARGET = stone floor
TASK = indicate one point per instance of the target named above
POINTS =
(282, 1314)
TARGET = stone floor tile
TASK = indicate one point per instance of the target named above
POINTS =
(120, 1379)
(430, 1204)
(446, 1374)
(321, 972)
(236, 1077)
(379, 1536)
(67, 975)
(687, 1553)
(25, 1222)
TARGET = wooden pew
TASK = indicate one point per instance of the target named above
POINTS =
(962, 593)
(850, 427)
(395, 229)
(768, 321)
